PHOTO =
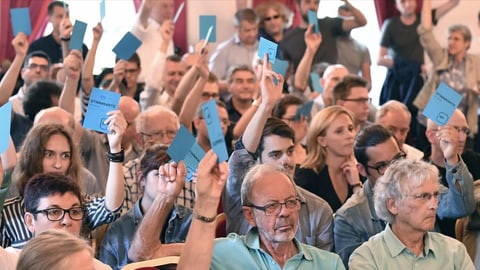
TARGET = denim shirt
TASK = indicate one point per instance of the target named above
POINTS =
(315, 217)
(119, 235)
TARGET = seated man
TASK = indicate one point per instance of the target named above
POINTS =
(272, 142)
(48, 199)
(155, 215)
(407, 198)
(375, 149)
(272, 213)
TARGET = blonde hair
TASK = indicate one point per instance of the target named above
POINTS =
(51, 250)
(317, 154)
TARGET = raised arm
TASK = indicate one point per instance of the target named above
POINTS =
(118, 75)
(427, 14)
(445, 8)
(144, 12)
(9, 157)
(198, 250)
(114, 190)
(72, 65)
(313, 41)
(270, 94)
(7, 84)
(358, 18)
(87, 74)
(146, 244)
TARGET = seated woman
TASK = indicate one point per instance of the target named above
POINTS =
(285, 109)
(329, 169)
(50, 148)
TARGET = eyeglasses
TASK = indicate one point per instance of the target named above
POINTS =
(209, 95)
(424, 197)
(133, 70)
(359, 100)
(274, 17)
(56, 214)
(160, 134)
(273, 209)
(293, 119)
(381, 167)
(464, 130)
(224, 121)
(41, 67)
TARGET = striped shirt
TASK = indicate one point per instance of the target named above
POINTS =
(14, 231)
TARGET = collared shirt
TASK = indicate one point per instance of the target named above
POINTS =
(315, 217)
(14, 231)
(250, 255)
(229, 54)
(119, 235)
(386, 251)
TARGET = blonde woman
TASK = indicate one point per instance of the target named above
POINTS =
(329, 169)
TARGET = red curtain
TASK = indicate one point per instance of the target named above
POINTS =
(38, 19)
(180, 36)
(386, 9)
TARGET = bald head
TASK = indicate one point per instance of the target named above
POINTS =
(332, 75)
(55, 115)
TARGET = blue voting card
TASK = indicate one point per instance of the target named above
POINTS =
(185, 147)
(215, 134)
(102, 9)
(206, 21)
(6, 116)
(78, 32)
(280, 67)
(21, 21)
(127, 46)
(194, 156)
(101, 102)
(442, 104)
(313, 19)
(303, 110)
(179, 11)
(315, 78)
(266, 46)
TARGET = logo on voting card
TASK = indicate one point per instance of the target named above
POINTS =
(102, 123)
(442, 118)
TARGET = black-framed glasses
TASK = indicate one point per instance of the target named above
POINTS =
(273, 209)
(133, 70)
(274, 17)
(424, 197)
(358, 100)
(382, 166)
(56, 213)
(160, 134)
(464, 130)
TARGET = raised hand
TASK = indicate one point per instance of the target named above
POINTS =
(20, 44)
(97, 32)
(312, 39)
(119, 72)
(171, 179)
(211, 178)
(448, 139)
(271, 90)
(349, 170)
(72, 65)
(167, 30)
(65, 27)
(116, 126)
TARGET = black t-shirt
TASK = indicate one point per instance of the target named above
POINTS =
(49, 46)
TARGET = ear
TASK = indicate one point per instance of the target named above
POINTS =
(392, 206)
(321, 141)
(430, 136)
(30, 222)
(22, 73)
(249, 216)
(362, 170)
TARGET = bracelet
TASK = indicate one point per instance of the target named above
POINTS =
(202, 218)
(359, 184)
(116, 157)
(65, 38)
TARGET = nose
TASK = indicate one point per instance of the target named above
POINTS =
(58, 163)
(66, 220)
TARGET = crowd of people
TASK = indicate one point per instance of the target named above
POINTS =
(346, 185)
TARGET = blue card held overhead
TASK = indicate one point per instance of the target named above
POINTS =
(101, 102)
(207, 21)
(215, 134)
(102, 9)
(266, 46)
(315, 78)
(127, 46)
(303, 110)
(313, 19)
(442, 104)
(194, 156)
(78, 33)
(5, 115)
(185, 147)
(280, 67)
(21, 21)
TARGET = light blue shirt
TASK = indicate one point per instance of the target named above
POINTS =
(244, 252)
(386, 251)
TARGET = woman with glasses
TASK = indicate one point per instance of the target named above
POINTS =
(50, 148)
(329, 169)
(286, 109)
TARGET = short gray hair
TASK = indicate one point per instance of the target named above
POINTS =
(141, 120)
(256, 173)
(399, 179)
